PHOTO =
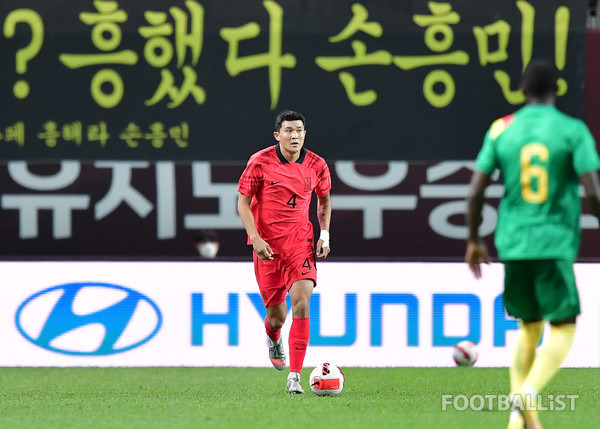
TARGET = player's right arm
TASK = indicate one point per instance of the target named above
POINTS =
(591, 186)
(476, 252)
(260, 246)
(586, 162)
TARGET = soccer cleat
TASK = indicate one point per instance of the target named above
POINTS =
(277, 354)
(293, 383)
(533, 424)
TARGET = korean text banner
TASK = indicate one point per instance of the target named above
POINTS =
(203, 80)
(395, 210)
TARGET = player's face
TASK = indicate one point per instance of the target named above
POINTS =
(291, 137)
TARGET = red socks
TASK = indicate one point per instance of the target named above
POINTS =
(299, 336)
(273, 335)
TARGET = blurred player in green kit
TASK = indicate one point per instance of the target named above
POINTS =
(543, 155)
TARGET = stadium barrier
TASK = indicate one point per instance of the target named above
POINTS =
(210, 314)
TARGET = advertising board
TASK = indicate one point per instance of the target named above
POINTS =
(210, 314)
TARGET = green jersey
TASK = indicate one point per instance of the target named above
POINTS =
(540, 152)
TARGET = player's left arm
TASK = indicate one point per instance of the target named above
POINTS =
(324, 217)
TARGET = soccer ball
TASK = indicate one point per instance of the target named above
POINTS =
(327, 379)
(465, 353)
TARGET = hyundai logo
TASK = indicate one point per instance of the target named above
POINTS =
(90, 319)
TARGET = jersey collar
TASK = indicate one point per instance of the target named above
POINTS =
(285, 161)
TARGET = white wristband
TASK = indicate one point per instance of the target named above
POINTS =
(325, 237)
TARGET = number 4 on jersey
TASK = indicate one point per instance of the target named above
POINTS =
(292, 201)
(306, 265)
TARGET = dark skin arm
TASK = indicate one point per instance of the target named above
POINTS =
(476, 252)
(591, 186)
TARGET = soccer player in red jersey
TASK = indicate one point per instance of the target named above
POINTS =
(275, 191)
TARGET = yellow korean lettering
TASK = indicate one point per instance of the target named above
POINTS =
(360, 14)
(273, 59)
(50, 134)
(106, 36)
(501, 29)
(358, 23)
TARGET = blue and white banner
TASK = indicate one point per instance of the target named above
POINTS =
(211, 314)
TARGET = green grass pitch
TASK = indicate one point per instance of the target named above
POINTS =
(255, 398)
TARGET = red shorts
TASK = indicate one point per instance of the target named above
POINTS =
(277, 276)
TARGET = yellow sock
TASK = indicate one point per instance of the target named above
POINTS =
(550, 356)
(524, 353)
(515, 421)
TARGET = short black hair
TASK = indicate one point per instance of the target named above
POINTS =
(288, 115)
(206, 235)
(540, 78)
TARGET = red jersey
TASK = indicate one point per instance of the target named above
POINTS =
(281, 192)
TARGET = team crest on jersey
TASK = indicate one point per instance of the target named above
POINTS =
(307, 184)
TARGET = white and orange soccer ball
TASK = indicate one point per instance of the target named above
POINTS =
(465, 353)
(327, 379)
